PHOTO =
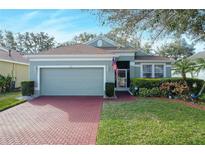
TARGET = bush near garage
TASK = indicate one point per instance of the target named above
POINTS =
(150, 83)
(27, 88)
(110, 89)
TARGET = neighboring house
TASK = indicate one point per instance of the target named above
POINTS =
(83, 69)
(13, 64)
(201, 74)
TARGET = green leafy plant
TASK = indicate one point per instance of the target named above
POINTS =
(110, 89)
(184, 66)
(179, 89)
(27, 88)
(145, 92)
(156, 82)
(5, 83)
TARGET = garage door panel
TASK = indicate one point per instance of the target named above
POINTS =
(72, 81)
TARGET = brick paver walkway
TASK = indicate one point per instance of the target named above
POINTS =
(52, 120)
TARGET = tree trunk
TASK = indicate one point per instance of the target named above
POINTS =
(184, 76)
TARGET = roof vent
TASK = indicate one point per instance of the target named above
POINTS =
(99, 43)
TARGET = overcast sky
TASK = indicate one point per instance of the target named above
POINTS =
(62, 24)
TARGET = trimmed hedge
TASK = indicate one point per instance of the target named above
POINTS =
(110, 89)
(27, 88)
(145, 92)
(150, 83)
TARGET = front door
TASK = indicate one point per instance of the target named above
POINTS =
(121, 78)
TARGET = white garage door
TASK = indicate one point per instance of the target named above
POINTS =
(71, 81)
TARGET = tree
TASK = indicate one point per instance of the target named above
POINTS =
(33, 43)
(7, 40)
(2, 39)
(81, 38)
(27, 43)
(184, 66)
(147, 48)
(200, 64)
(177, 49)
(157, 22)
(84, 37)
(123, 40)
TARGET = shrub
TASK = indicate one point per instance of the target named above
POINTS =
(150, 83)
(145, 82)
(145, 92)
(190, 81)
(27, 88)
(110, 89)
(179, 89)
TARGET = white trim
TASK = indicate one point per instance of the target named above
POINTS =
(153, 69)
(71, 56)
(70, 66)
(73, 59)
(124, 54)
(168, 65)
(11, 61)
(136, 65)
(154, 61)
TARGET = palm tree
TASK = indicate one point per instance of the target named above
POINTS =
(200, 64)
(184, 66)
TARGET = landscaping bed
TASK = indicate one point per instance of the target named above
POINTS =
(151, 121)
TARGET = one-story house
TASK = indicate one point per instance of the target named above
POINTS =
(83, 69)
(12, 63)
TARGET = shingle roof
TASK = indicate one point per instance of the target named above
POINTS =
(15, 56)
(83, 49)
(198, 55)
(151, 58)
(74, 49)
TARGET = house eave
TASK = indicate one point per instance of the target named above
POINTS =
(12, 61)
(150, 61)
(68, 56)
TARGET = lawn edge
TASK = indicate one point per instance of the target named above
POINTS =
(8, 107)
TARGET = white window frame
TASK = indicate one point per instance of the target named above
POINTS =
(142, 74)
(153, 69)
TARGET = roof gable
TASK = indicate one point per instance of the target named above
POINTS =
(198, 55)
(102, 42)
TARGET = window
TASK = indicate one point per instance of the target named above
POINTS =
(147, 71)
(152, 71)
(158, 71)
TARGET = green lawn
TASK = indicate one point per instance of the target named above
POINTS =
(148, 121)
(8, 100)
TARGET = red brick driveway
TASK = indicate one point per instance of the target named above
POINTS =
(52, 120)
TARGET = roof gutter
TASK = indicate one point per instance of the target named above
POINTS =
(70, 56)
(148, 61)
(11, 61)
